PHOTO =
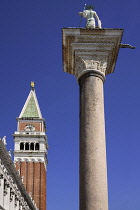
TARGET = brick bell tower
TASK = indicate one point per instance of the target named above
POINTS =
(31, 149)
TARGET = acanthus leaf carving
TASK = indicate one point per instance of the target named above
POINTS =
(92, 64)
(82, 65)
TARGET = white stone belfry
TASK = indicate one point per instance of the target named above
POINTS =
(90, 54)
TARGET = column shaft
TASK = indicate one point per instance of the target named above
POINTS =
(93, 170)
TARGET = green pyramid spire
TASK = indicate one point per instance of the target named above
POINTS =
(31, 107)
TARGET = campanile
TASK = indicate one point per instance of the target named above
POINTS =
(31, 149)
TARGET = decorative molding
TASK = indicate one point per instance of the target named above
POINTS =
(35, 159)
(90, 50)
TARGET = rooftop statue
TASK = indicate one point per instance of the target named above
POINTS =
(4, 140)
(90, 15)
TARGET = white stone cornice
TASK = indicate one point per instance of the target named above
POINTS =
(93, 50)
(34, 160)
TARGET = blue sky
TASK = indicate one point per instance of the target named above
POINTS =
(31, 50)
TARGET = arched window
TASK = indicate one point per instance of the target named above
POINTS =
(21, 146)
(37, 146)
(26, 146)
(32, 146)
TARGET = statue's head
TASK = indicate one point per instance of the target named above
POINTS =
(89, 7)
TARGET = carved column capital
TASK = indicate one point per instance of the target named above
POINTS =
(90, 64)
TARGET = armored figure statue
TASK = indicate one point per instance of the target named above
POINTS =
(90, 15)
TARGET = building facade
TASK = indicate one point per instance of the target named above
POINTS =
(23, 182)
(13, 195)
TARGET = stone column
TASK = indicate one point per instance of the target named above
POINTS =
(90, 55)
(93, 170)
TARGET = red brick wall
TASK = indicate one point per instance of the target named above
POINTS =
(34, 181)
(37, 183)
(43, 188)
(23, 172)
(37, 125)
(18, 165)
(30, 179)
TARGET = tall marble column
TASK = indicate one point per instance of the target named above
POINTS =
(90, 55)
(93, 173)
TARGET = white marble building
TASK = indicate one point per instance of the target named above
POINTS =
(13, 195)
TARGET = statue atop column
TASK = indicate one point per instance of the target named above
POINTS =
(90, 15)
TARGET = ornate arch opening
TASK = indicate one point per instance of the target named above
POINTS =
(37, 146)
(21, 146)
(32, 146)
(26, 146)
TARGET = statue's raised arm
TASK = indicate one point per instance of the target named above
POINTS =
(90, 15)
